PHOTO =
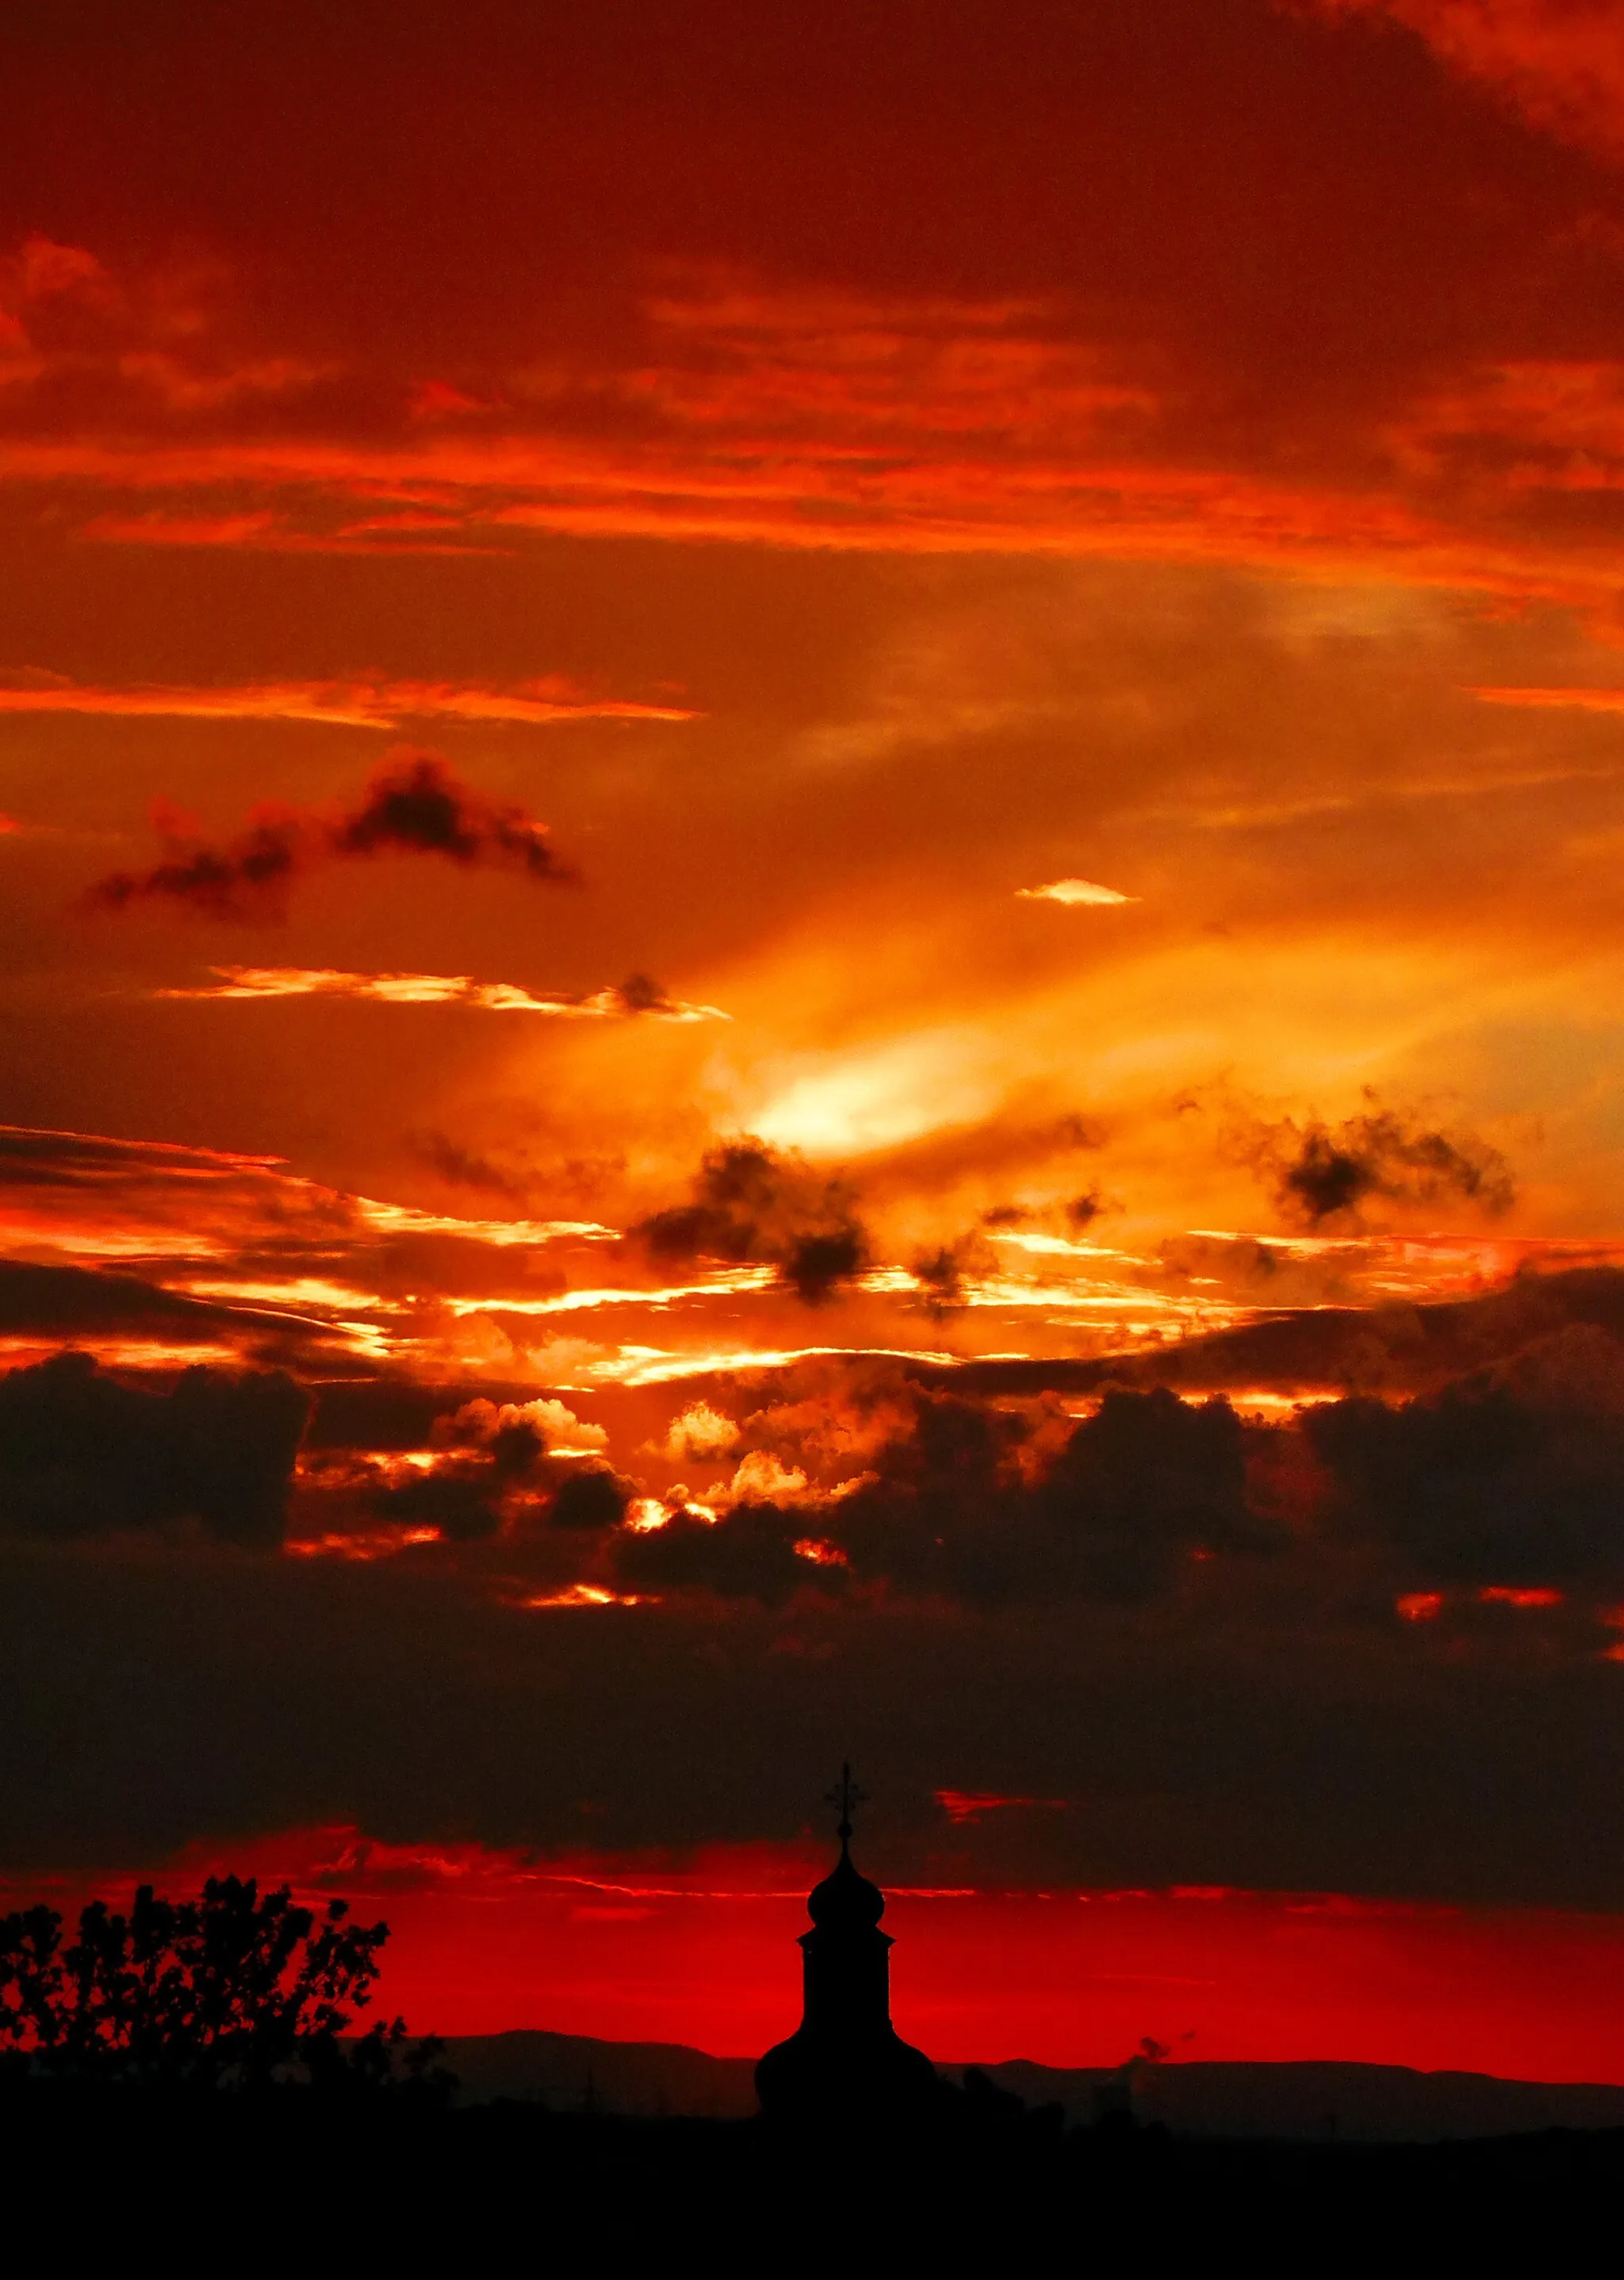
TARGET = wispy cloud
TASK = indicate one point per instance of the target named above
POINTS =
(1073, 890)
(413, 805)
(635, 998)
(362, 703)
(267, 531)
(1578, 700)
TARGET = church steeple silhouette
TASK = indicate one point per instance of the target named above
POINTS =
(845, 2061)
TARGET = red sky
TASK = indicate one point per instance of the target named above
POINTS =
(811, 833)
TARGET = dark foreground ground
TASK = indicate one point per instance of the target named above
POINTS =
(312, 2185)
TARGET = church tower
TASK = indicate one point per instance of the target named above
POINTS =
(846, 2062)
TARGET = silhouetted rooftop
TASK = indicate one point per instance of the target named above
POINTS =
(845, 1900)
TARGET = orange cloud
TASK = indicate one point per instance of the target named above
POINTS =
(360, 703)
(636, 1000)
(823, 496)
(262, 531)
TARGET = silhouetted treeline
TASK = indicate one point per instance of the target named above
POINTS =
(232, 1989)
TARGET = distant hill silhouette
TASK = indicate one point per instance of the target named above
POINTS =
(1213, 2097)
(1297, 2098)
(575, 2073)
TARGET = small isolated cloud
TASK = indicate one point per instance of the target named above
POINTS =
(700, 1431)
(635, 998)
(1074, 892)
(1323, 1175)
(413, 805)
(752, 1203)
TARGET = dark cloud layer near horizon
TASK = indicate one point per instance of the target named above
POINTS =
(219, 1694)
(989, 1593)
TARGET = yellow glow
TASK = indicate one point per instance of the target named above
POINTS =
(586, 1595)
(612, 1005)
(305, 1289)
(1059, 1246)
(820, 1554)
(878, 1098)
(570, 1302)
(400, 1219)
(351, 704)
(1074, 892)
(1101, 1298)
(634, 1366)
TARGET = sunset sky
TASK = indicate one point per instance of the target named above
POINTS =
(811, 946)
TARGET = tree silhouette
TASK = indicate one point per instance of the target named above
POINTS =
(230, 1990)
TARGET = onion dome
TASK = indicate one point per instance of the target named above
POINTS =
(845, 1901)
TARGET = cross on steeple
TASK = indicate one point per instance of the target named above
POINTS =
(848, 1796)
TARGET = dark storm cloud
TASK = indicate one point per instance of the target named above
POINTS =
(82, 1455)
(1490, 1481)
(1322, 1174)
(1108, 1609)
(416, 805)
(149, 1704)
(751, 1555)
(491, 1471)
(976, 1490)
(464, 1497)
(753, 1203)
(962, 1506)
(590, 1501)
(413, 805)
(1510, 1475)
